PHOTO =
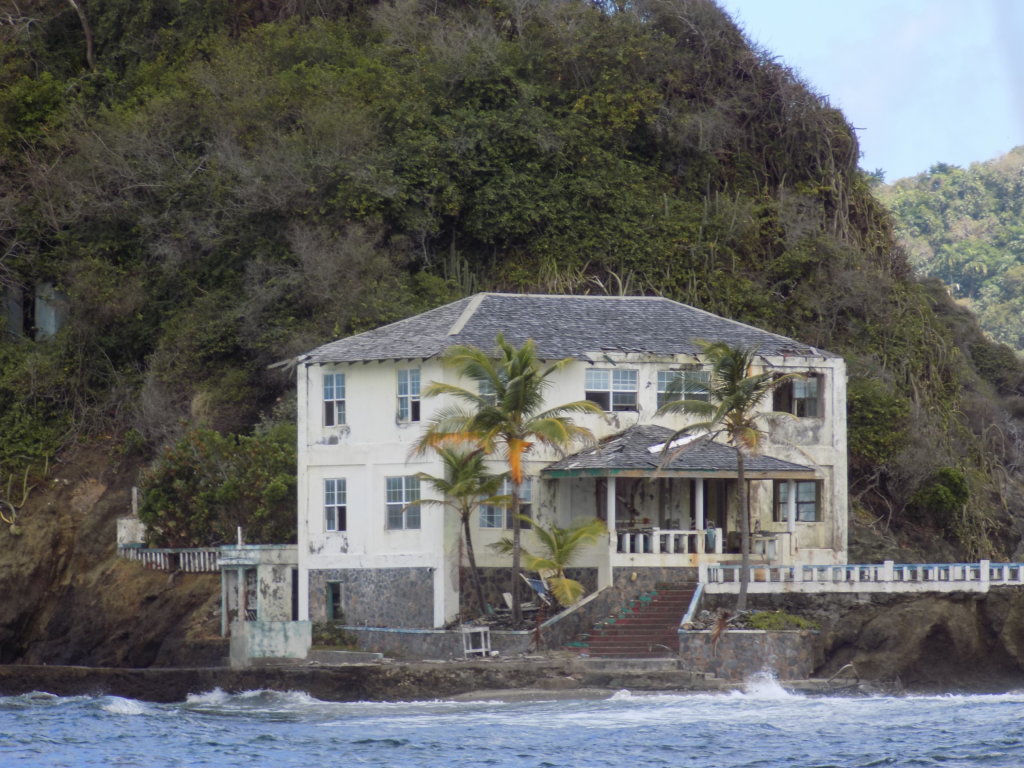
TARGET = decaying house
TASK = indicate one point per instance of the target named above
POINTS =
(368, 554)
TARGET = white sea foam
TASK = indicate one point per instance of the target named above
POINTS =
(765, 685)
(214, 697)
(115, 705)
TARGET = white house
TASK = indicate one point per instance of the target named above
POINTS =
(364, 553)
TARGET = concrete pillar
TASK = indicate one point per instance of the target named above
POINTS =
(984, 567)
(243, 595)
(698, 503)
(791, 508)
(610, 514)
(223, 601)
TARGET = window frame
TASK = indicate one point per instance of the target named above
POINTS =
(400, 512)
(780, 513)
(334, 406)
(485, 389)
(334, 597)
(498, 517)
(333, 508)
(794, 398)
(606, 393)
(701, 384)
(409, 409)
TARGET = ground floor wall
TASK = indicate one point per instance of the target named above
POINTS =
(376, 597)
(497, 581)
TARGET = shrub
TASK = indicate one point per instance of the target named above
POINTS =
(205, 485)
(779, 620)
(941, 498)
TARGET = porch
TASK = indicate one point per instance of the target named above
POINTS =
(676, 512)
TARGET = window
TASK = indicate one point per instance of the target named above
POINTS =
(486, 391)
(401, 492)
(799, 397)
(493, 516)
(682, 385)
(613, 390)
(409, 394)
(334, 399)
(808, 501)
(334, 505)
(334, 612)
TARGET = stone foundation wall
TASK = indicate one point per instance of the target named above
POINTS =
(379, 597)
(741, 654)
(410, 644)
(495, 581)
(646, 578)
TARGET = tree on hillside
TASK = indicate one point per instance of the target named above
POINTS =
(506, 414)
(466, 485)
(734, 394)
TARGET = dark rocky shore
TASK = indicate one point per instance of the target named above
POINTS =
(531, 677)
(388, 681)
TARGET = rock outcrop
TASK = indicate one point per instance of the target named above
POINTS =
(68, 599)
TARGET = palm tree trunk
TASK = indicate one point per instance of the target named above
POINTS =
(472, 565)
(517, 604)
(741, 496)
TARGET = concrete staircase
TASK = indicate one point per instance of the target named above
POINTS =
(645, 628)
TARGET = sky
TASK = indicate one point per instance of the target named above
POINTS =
(922, 81)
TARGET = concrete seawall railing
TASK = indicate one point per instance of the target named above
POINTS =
(876, 577)
(200, 560)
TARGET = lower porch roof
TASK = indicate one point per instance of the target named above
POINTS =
(638, 452)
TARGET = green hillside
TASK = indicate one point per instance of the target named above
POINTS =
(965, 227)
(218, 186)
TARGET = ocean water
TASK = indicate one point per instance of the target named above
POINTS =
(763, 726)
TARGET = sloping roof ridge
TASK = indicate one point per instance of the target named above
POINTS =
(705, 312)
(745, 325)
(575, 296)
(418, 317)
(474, 304)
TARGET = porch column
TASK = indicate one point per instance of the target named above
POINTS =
(610, 513)
(698, 503)
(791, 508)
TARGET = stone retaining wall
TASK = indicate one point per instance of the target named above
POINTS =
(432, 643)
(743, 653)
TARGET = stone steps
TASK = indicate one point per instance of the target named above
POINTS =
(646, 627)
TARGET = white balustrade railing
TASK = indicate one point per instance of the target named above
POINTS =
(875, 577)
(198, 560)
(669, 541)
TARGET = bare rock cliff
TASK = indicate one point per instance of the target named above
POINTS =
(68, 599)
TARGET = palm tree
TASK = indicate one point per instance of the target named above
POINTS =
(465, 486)
(559, 548)
(506, 414)
(734, 395)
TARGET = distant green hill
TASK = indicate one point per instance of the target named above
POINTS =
(966, 228)
(218, 186)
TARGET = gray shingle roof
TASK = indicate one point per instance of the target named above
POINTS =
(561, 326)
(631, 450)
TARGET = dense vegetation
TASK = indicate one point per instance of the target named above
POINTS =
(219, 186)
(965, 227)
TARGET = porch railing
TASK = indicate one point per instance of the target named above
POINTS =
(874, 577)
(199, 560)
(669, 541)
